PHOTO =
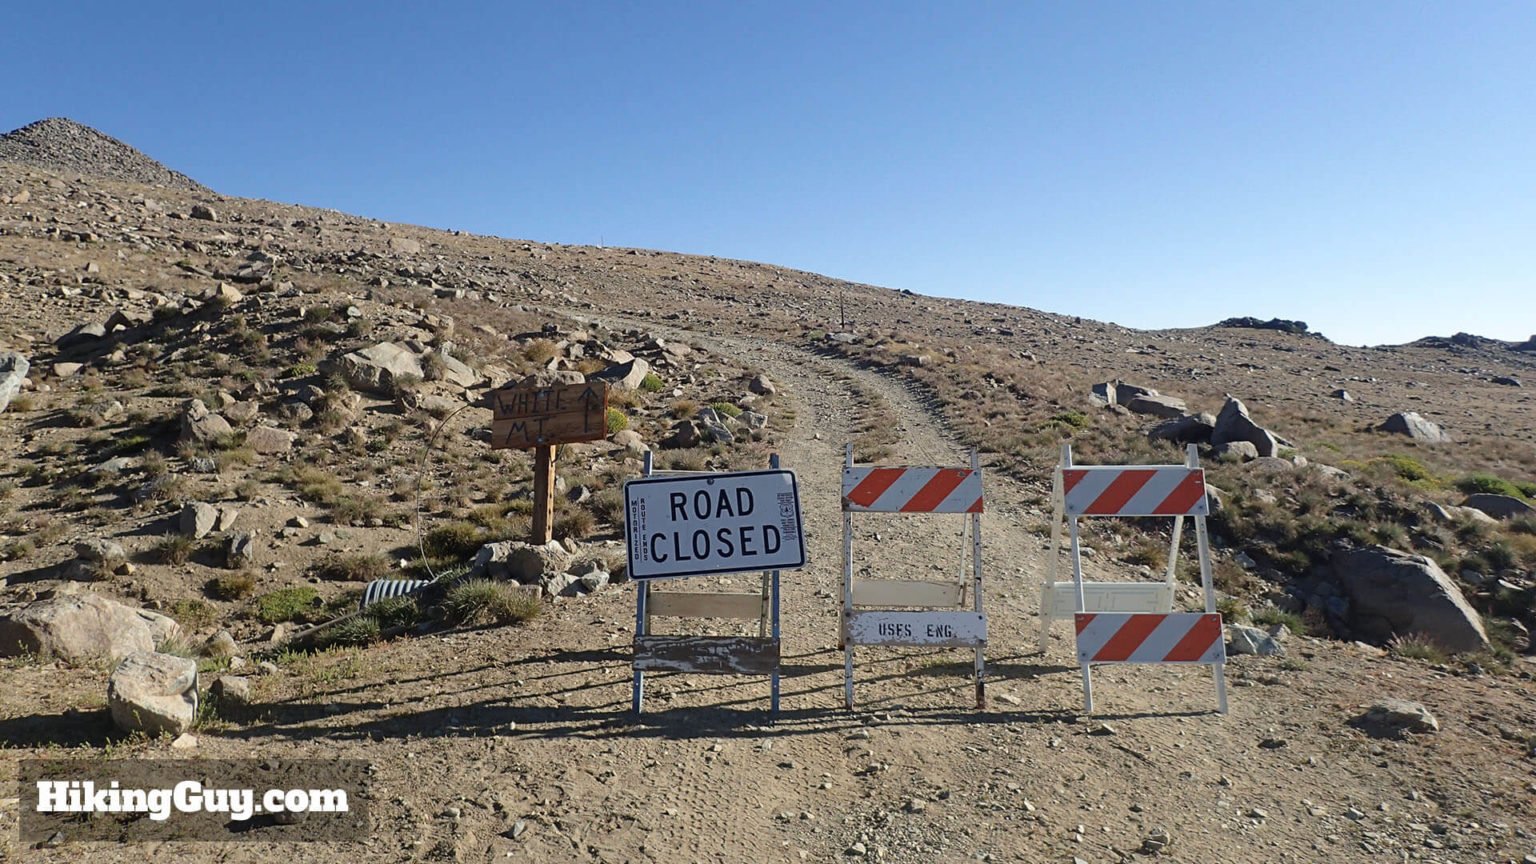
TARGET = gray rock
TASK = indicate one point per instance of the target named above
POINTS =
(1411, 424)
(1396, 718)
(204, 212)
(13, 371)
(594, 580)
(201, 425)
(632, 443)
(522, 562)
(99, 551)
(240, 551)
(1506, 381)
(221, 644)
(233, 690)
(625, 376)
(404, 246)
(270, 441)
(714, 426)
(1157, 405)
(153, 693)
(1235, 451)
(198, 519)
(1342, 396)
(1189, 429)
(562, 585)
(762, 386)
(685, 434)
(1498, 506)
(82, 628)
(1256, 641)
(1454, 515)
(227, 517)
(1234, 424)
(242, 412)
(1393, 593)
(753, 420)
(379, 368)
(455, 371)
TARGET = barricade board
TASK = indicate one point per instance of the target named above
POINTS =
(1060, 600)
(902, 489)
(694, 525)
(959, 629)
(710, 655)
(907, 592)
(1175, 637)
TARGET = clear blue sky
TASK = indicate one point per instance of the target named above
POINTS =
(1368, 167)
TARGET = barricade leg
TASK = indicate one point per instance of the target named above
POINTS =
(637, 694)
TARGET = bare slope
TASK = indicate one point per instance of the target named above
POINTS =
(61, 144)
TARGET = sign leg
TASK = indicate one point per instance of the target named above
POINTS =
(1220, 671)
(637, 690)
(543, 494)
(1087, 689)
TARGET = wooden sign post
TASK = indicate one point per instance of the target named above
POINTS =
(539, 418)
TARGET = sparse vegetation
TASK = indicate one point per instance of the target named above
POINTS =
(483, 601)
(287, 604)
(1416, 646)
(174, 548)
(354, 568)
(231, 586)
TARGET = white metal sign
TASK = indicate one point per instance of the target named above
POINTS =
(960, 628)
(713, 523)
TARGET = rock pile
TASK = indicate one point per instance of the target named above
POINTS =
(61, 144)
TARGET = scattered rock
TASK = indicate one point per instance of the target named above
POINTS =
(1396, 718)
(1234, 424)
(1506, 381)
(13, 371)
(221, 644)
(1411, 424)
(200, 425)
(685, 434)
(624, 376)
(1498, 506)
(762, 386)
(1156, 841)
(198, 519)
(153, 693)
(404, 246)
(204, 212)
(231, 690)
(378, 369)
(522, 562)
(1235, 451)
(240, 552)
(1189, 429)
(270, 440)
(81, 628)
(1157, 405)
(1394, 593)
(1256, 641)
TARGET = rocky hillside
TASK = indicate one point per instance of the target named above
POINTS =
(228, 415)
(60, 144)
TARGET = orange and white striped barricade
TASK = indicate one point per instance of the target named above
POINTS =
(910, 612)
(1105, 636)
(1059, 599)
(777, 530)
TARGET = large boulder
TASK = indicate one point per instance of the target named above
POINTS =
(198, 519)
(453, 370)
(1189, 429)
(522, 562)
(1157, 405)
(625, 376)
(13, 371)
(270, 440)
(1394, 593)
(1498, 506)
(153, 693)
(684, 434)
(1243, 639)
(83, 628)
(1119, 393)
(378, 369)
(1234, 424)
(1395, 718)
(1411, 424)
(714, 424)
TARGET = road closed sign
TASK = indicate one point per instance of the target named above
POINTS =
(713, 523)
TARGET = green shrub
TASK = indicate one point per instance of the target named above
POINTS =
(1416, 646)
(287, 604)
(1270, 615)
(230, 586)
(1074, 419)
(354, 568)
(726, 409)
(395, 612)
(193, 614)
(652, 383)
(455, 540)
(351, 633)
(616, 420)
(1488, 484)
(575, 523)
(1407, 467)
(479, 601)
(174, 548)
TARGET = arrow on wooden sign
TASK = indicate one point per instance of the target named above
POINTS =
(527, 417)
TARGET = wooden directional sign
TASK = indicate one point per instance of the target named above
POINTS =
(527, 417)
